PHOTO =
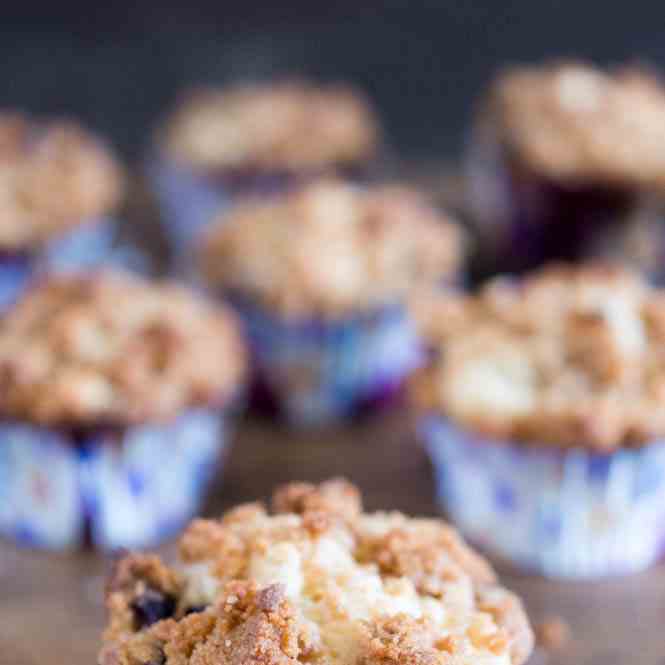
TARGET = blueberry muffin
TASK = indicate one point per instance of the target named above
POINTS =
(321, 277)
(114, 400)
(58, 186)
(567, 161)
(316, 580)
(219, 145)
(542, 406)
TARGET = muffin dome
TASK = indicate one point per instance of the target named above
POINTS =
(316, 581)
(331, 249)
(574, 122)
(569, 356)
(53, 177)
(107, 348)
(289, 125)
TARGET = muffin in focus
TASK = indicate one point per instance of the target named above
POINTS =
(114, 405)
(58, 186)
(315, 581)
(259, 139)
(543, 409)
(321, 277)
(567, 162)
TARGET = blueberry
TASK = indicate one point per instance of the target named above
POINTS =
(152, 606)
(195, 609)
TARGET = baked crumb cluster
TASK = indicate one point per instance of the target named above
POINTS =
(280, 126)
(53, 177)
(574, 122)
(331, 249)
(317, 581)
(572, 356)
(81, 350)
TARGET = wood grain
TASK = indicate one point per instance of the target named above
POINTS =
(51, 611)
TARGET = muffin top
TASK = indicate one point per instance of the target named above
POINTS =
(54, 175)
(89, 350)
(568, 356)
(288, 125)
(317, 581)
(331, 249)
(573, 122)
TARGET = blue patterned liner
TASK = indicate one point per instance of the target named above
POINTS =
(322, 371)
(125, 490)
(563, 514)
(188, 202)
(84, 247)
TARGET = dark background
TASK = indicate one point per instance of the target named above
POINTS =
(117, 66)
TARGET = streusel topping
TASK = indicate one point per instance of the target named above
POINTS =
(569, 356)
(281, 126)
(88, 350)
(53, 177)
(317, 581)
(573, 122)
(331, 249)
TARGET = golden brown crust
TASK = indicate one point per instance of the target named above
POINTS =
(285, 126)
(105, 348)
(573, 122)
(53, 176)
(569, 356)
(431, 556)
(402, 640)
(333, 497)
(331, 249)
(364, 589)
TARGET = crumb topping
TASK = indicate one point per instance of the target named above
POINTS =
(265, 588)
(553, 634)
(281, 126)
(569, 356)
(574, 122)
(107, 348)
(53, 177)
(331, 249)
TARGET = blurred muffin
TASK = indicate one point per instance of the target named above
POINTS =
(256, 139)
(321, 277)
(567, 161)
(316, 581)
(114, 396)
(58, 184)
(543, 408)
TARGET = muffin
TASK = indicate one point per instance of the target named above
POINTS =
(567, 162)
(58, 185)
(321, 276)
(256, 139)
(315, 581)
(114, 405)
(543, 409)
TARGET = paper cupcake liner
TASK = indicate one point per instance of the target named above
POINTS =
(524, 219)
(84, 247)
(562, 514)
(189, 201)
(122, 490)
(319, 372)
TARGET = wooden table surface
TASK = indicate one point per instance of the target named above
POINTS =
(51, 605)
